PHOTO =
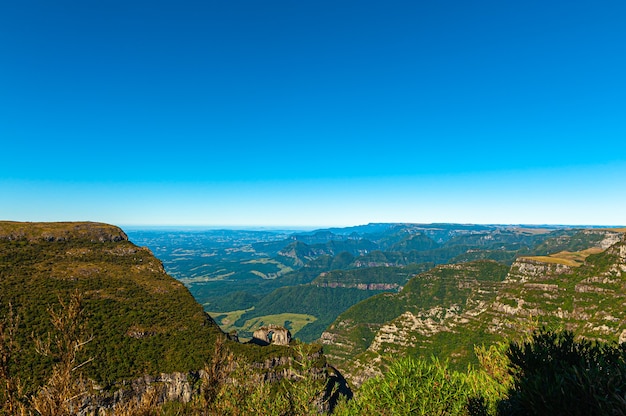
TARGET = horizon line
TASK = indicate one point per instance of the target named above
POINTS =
(316, 227)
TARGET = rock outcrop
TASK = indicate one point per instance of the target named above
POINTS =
(178, 387)
(526, 269)
(271, 334)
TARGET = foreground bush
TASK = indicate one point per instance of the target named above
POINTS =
(415, 386)
(554, 374)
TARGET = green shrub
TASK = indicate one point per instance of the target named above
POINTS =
(557, 375)
(415, 387)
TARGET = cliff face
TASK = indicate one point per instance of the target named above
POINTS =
(588, 299)
(429, 310)
(525, 270)
(451, 308)
(143, 329)
(272, 334)
(142, 320)
(362, 286)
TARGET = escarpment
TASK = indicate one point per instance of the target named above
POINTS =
(448, 310)
(137, 327)
(138, 317)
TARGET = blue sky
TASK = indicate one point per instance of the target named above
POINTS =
(313, 113)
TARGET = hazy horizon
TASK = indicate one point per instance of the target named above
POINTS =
(296, 228)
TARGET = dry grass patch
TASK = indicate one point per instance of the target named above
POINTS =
(568, 258)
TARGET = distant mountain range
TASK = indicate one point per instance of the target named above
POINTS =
(244, 278)
(449, 309)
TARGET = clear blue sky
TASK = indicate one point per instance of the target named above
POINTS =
(313, 112)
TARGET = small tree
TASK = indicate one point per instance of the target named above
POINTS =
(11, 387)
(63, 392)
(306, 392)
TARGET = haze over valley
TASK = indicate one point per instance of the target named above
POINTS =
(305, 280)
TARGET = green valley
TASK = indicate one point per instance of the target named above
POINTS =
(384, 304)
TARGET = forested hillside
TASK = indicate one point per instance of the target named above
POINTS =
(245, 278)
(131, 318)
(451, 308)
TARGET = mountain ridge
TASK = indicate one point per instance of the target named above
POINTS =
(530, 292)
(141, 322)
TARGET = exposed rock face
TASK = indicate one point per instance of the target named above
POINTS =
(588, 299)
(525, 269)
(178, 387)
(619, 251)
(362, 286)
(610, 237)
(436, 302)
(272, 334)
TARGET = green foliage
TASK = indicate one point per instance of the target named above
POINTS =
(230, 386)
(233, 301)
(341, 261)
(299, 253)
(567, 240)
(555, 374)
(369, 275)
(415, 242)
(491, 381)
(438, 255)
(325, 303)
(501, 256)
(598, 263)
(418, 387)
(375, 310)
(142, 320)
(501, 239)
(62, 393)
(443, 286)
(11, 386)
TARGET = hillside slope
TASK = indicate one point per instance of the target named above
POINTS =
(142, 320)
(448, 310)
(136, 330)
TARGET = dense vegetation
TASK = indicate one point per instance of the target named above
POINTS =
(549, 373)
(324, 303)
(450, 308)
(82, 308)
(546, 373)
(446, 288)
(558, 375)
(228, 383)
(251, 272)
(138, 319)
(215, 263)
(329, 294)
